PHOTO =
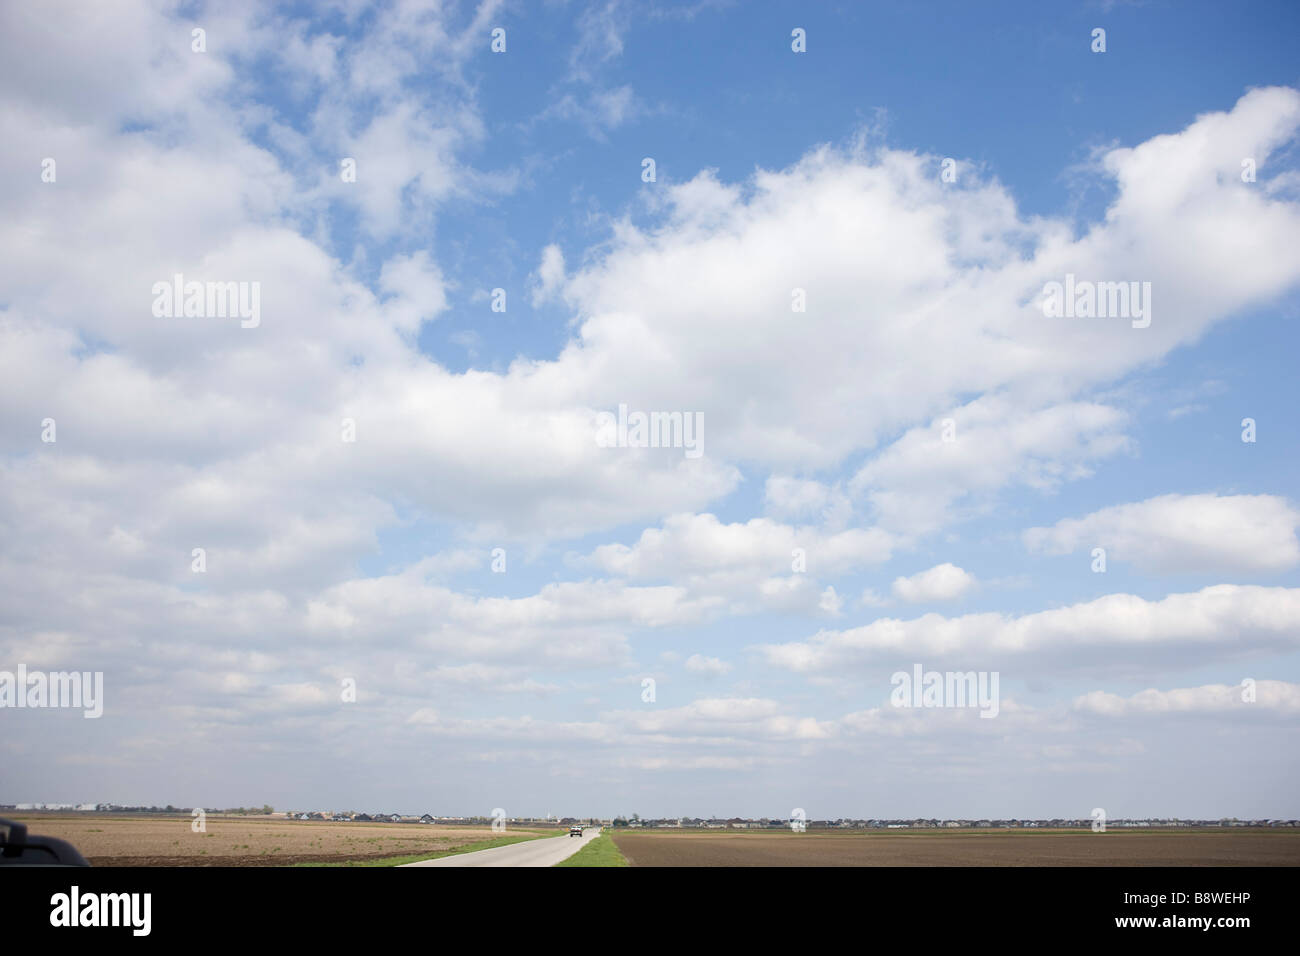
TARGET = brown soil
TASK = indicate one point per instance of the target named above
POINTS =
(1209, 847)
(244, 841)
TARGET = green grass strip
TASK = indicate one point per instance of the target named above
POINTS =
(598, 852)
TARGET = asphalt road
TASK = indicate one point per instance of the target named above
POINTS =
(545, 852)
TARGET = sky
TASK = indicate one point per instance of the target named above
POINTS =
(372, 543)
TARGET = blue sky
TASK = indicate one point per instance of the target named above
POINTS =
(330, 560)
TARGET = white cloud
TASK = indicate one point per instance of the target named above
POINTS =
(943, 582)
(514, 449)
(601, 29)
(705, 721)
(708, 666)
(174, 435)
(701, 544)
(550, 275)
(1222, 534)
(418, 286)
(787, 497)
(614, 107)
(1270, 696)
(915, 483)
(830, 602)
(1224, 622)
(756, 564)
(598, 110)
(723, 718)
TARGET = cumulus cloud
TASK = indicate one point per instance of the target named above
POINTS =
(758, 563)
(701, 543)
(710, 720)
(519, 450)
(943, 582)
(550, 274)
(787, 497)
(917, 484)
(418, 286)
(179, 434)
(878, 299)
(1219, 623)
(1223, 534)
(1269, 696)
(830, 602)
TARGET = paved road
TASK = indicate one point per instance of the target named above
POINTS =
(547, 851)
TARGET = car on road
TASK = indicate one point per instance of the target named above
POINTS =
(575, 831)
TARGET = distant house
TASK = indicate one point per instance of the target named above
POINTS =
(426, 818)
(364, 817)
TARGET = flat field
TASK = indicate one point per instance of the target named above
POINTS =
(249, 841)
(1183, 847)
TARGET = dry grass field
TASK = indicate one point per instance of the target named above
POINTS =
(246, 841)
(1208, 847)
